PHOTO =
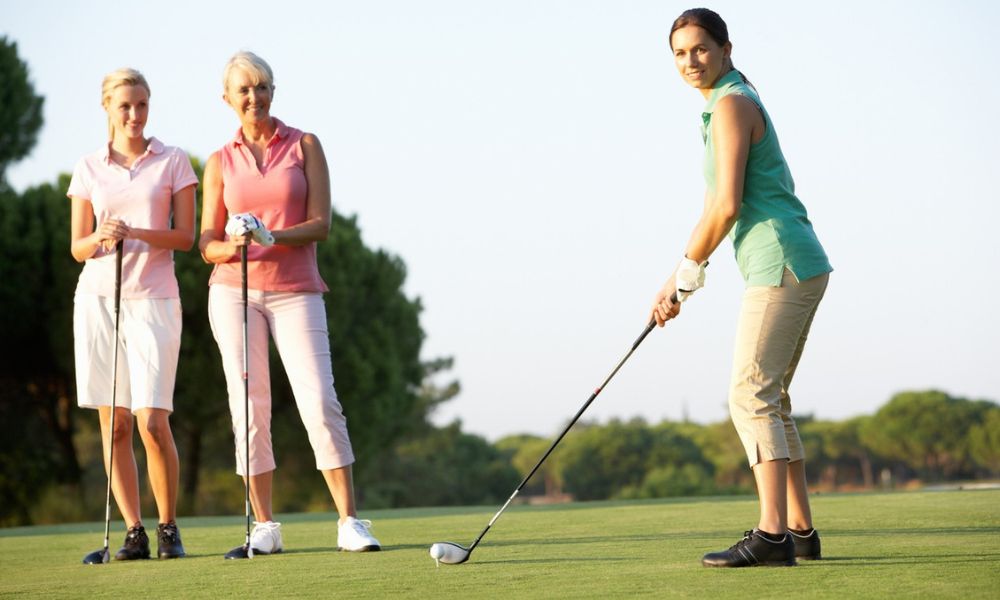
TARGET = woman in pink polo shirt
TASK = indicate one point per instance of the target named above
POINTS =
(137, 190)
(269, 189)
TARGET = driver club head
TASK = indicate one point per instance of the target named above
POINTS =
(449, 553)
(97, 557)
(240, 552)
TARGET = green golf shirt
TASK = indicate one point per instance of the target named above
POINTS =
(773, 231)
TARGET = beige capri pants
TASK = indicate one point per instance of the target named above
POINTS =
(773, 325)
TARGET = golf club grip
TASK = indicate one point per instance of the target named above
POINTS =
(651, 324)
(119, 251)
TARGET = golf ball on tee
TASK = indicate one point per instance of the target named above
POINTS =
(437, 551)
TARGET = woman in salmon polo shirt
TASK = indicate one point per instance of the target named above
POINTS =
(269, 189)
(750, 197)
(137, 190)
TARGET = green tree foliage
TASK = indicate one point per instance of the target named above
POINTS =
(672, 480)
(602, 461)
(37, 398)
(984, 442)
(20, 109)
(523, 452)
(722, 448)
(444, 467)
(927, 431)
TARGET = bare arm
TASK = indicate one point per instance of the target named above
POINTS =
(316, 227)
(735, 123)
(85, 240)
(212, 242)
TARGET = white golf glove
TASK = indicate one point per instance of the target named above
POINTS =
(246, 223)
(689, 277)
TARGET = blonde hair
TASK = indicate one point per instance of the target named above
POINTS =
(116, 79)
(256, 66)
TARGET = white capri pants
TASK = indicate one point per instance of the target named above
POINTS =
(297, 322)
(773, 326)
(149, 341)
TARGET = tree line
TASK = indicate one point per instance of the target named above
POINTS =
(917, 436)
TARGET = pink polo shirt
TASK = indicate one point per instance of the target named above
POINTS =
(276, 194)
(142, 197)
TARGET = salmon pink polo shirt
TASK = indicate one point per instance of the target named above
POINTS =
(276, 193)
(142, 197)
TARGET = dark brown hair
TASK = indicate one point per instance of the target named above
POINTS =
(707, 19)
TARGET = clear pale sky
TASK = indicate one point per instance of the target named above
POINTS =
(537, 165)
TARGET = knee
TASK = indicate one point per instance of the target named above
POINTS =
(157, 429)
(122, 431)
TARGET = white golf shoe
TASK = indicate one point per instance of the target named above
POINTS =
(353, 536)
(266, 537)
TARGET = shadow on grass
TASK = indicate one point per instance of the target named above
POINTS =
(864, 561)
(531, 561)
(867, 532)
(334, 550)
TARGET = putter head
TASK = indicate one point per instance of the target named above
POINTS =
(449, 553)
(239, 552)
(97, 557)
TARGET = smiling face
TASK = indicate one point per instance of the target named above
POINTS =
(128, 108)
(700, 60)
(249, 96)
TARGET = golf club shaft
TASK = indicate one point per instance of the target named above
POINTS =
(246, 387)
(576, 417)
(119, 250)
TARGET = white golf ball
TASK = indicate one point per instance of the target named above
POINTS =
(437, 551)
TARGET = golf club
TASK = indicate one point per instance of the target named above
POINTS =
(451, 553)
(99, 557)
(245, 551)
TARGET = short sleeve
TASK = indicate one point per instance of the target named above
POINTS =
(80, 183)
(181, 173)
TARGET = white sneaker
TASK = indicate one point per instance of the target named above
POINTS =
(353, 536)
(266, 537)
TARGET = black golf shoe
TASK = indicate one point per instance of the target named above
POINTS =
(753, 550)
(168, 541)
(806, 546)
(136, 544)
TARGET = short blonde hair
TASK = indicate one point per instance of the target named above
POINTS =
(256, 66)
(116, 79)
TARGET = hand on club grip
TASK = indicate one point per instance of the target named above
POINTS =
(111, 232)
(665, 304)
(243, 224)
(689, 277)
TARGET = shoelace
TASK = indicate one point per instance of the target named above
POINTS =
(747, 535)
(362, 526)
(265, 526)
(169, 532)
(133, 535)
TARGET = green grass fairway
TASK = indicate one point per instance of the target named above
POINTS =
(921, 544)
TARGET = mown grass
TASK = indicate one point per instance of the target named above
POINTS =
(926, 544)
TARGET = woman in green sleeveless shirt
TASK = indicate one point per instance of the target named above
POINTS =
(750, 198)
